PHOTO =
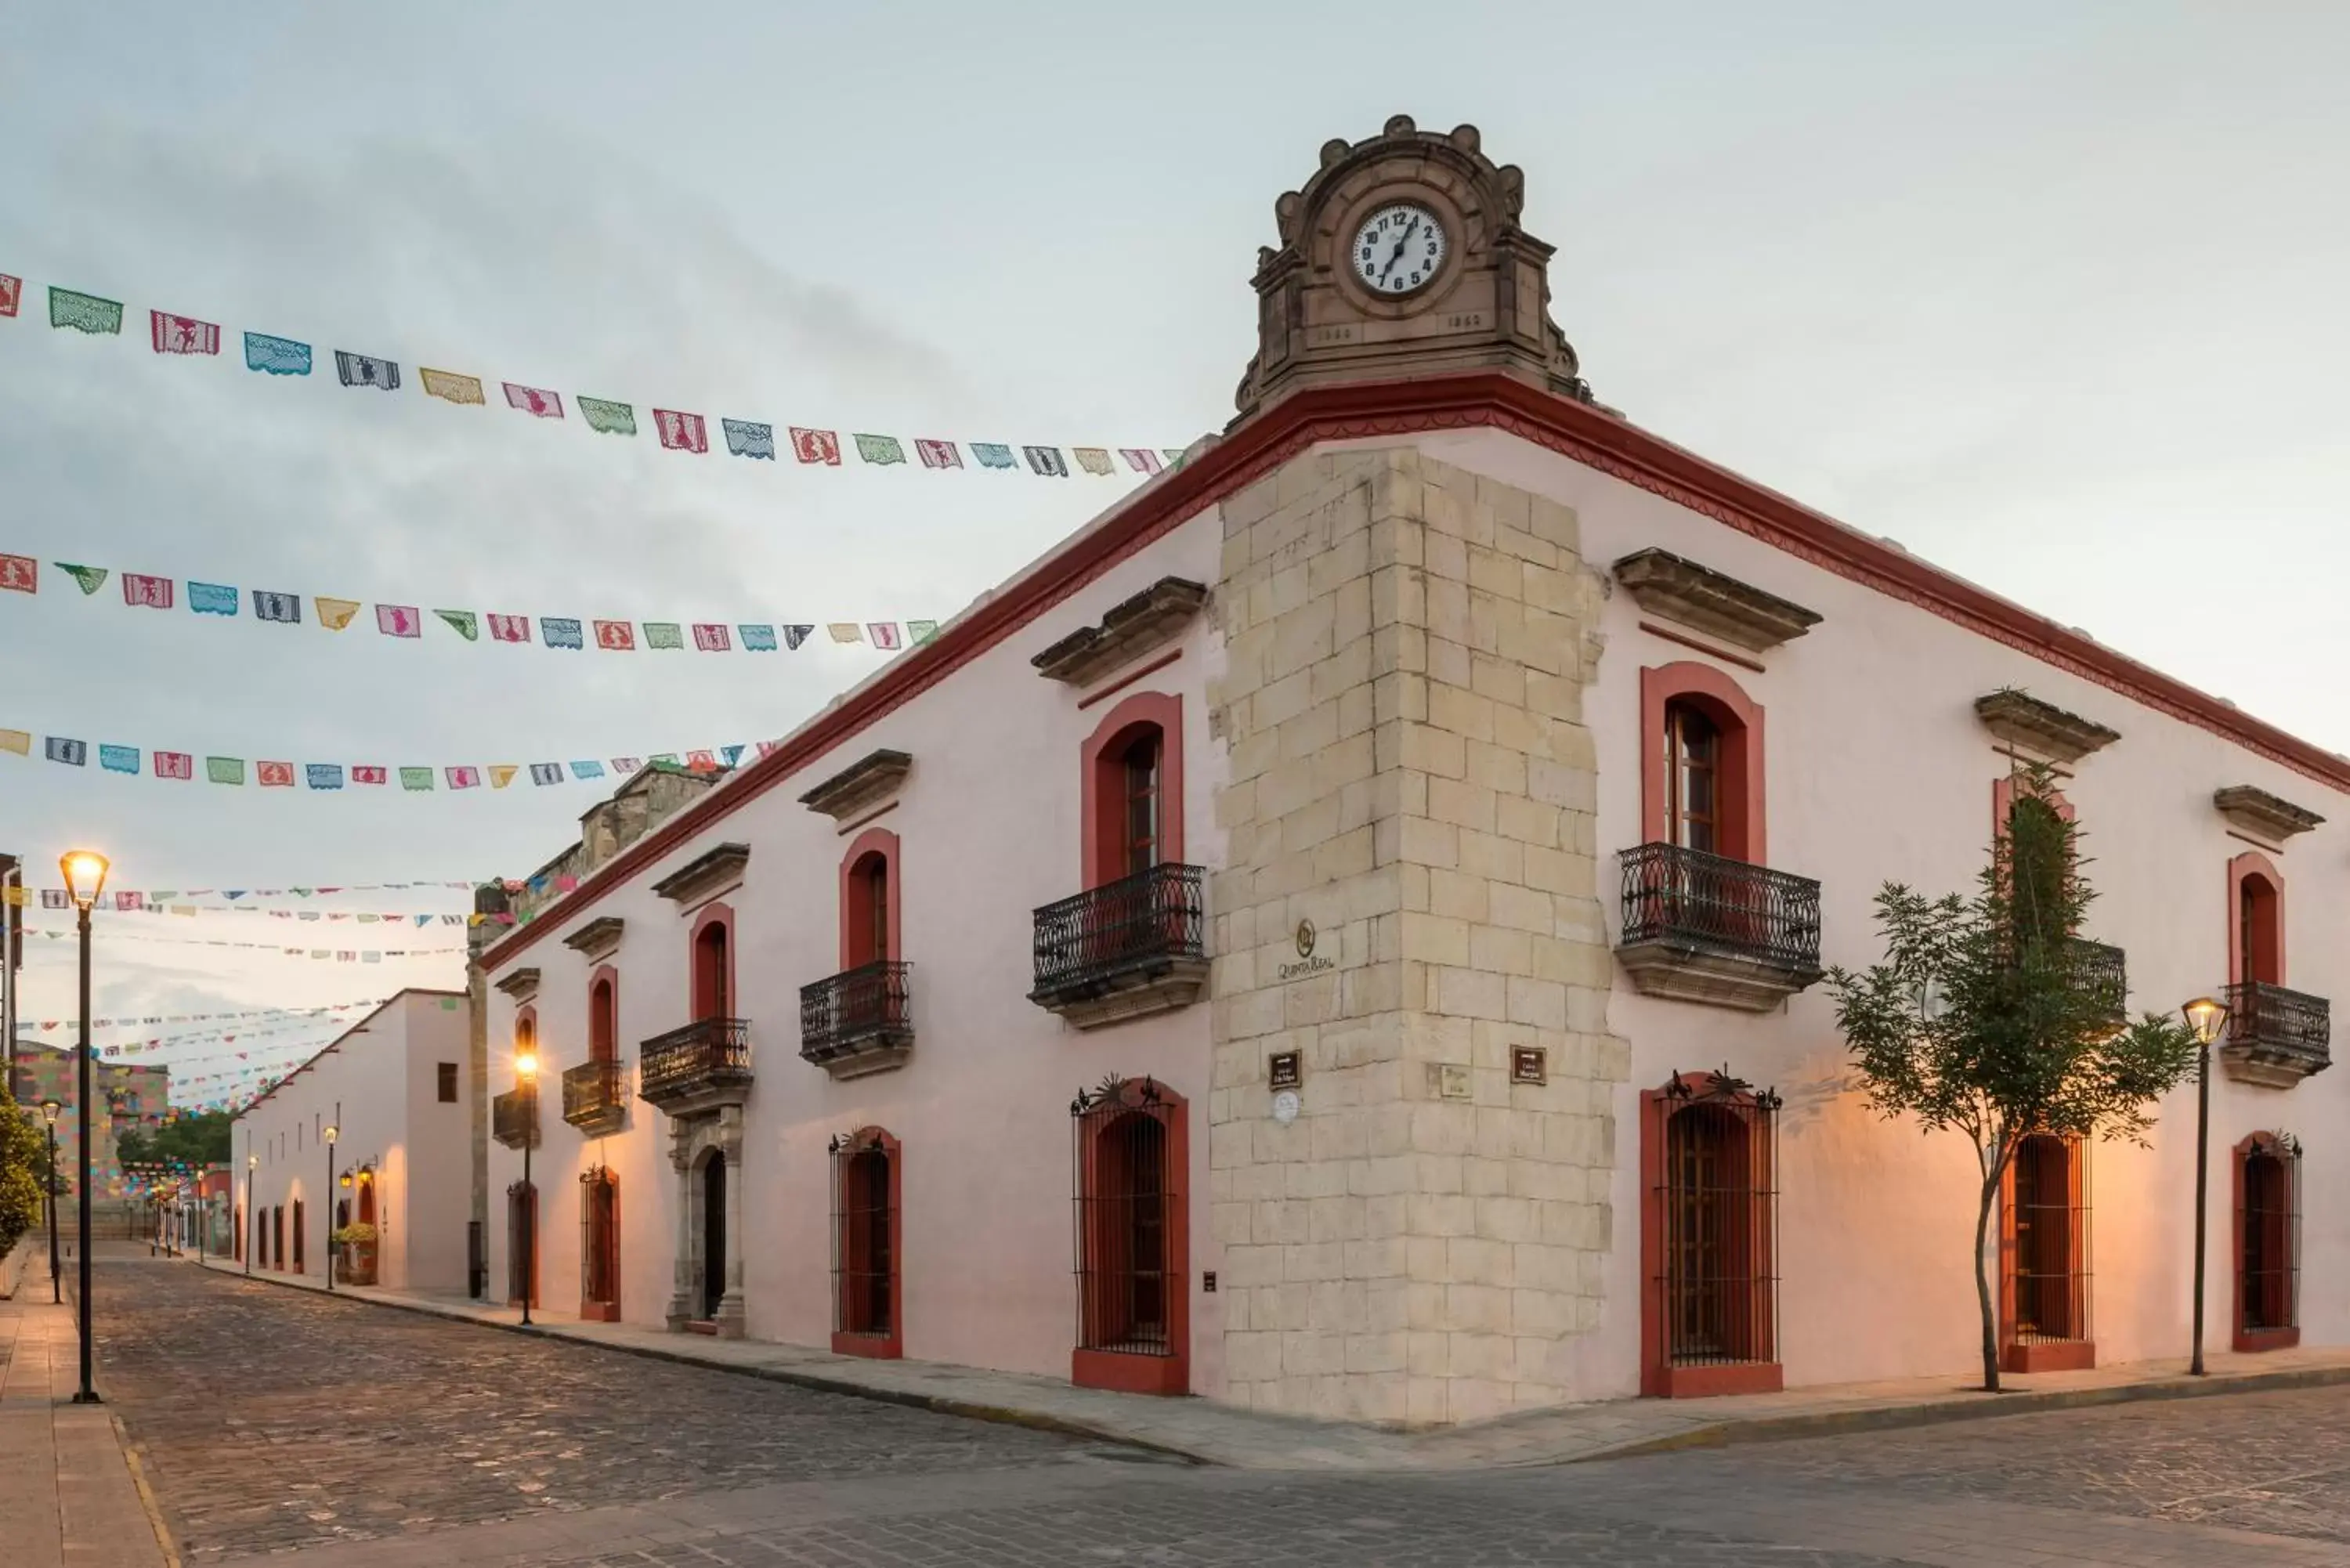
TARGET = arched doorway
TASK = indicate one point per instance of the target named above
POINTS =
(1132, 1246)
(599, 1245)
(2268, 1242)
(713, 1236)
(2045, 1255)
(1708, 1238)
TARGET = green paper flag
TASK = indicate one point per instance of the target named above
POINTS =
(416, 778)
(463, 622)
(880, 448)
(84, 312)
(91, 578)
(669, 757)
(663, 634)
(922, 630)
(612, 419)
(224, 770)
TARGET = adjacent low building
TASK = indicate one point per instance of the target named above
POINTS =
(1342, 932)
(393, 1092)
(133, 1099)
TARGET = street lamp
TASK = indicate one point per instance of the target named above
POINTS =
(327, 1205)
(252, 1174)
(526, 1070)
(49, 1109)
(85, 873)
(2205, 1018)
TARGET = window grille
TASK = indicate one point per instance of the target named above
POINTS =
(2268, 1225)
(864, 1234)
(599, 1236)
(1129, 1193)
(1719, 1202)
(2047, 1241)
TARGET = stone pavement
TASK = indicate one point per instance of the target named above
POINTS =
(71, 1495)
(1218, 1434)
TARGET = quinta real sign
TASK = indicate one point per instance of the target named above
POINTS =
(1307, 961)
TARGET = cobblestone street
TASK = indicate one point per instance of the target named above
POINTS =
(272, 1420)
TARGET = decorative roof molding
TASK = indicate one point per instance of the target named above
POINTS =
(597, 939)
(1712, 601)
(1151, 618)
(520, 985)
(2043, 729)
(2267, 819)
(705, 874)
(862, 784)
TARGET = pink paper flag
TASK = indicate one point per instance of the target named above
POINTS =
(371, 773)
(618, 636)
(174, 765)
(937, 453)
(398, 620)
(183, 333)
(463, 778)
(1141, 459)
(681, 432)
(884, 633)
(279, 776)
(153, 593)
(816, 446)
(510, 627)
(711, 638)
(11, 290)
(535, 400)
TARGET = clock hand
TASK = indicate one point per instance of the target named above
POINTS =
(1398, 254)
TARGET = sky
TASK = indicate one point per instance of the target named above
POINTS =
(2052, 294)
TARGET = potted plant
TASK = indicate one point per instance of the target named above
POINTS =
(358, 1241)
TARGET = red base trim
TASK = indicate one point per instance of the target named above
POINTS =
(600, 1311)
(701, 1325)
(1708, 1382)
(880, 1346)
(1125, 1374)
(2050, 1355)
(2254, 1340)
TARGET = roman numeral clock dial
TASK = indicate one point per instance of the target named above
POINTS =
(1399, 249)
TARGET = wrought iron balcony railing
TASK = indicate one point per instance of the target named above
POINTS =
(2104, 974)
(595, 1094)
(1711, 903)
(513, 1118)
(1120, 934)
(2280, 1028)
(710, 1056)
(864, 1013)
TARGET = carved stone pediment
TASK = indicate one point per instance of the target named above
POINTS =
(1711, 601)
(2042, 729)
(705, 874)
(2267, 819)
(860, 786)
(599, 938)
(1134, 626)
(519, 985)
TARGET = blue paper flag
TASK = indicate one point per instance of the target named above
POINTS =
(276, 356)
(587, 770)
(118, 759)
(746, 439)
(757, 638)
(324, 775)
(211, 598)
(559, 632)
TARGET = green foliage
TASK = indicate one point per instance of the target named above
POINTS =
(197, 1140)
(1991, 1016)
(24, 1151)
(357, 1234)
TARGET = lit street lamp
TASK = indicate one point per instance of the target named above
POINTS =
(327, 1204)
(526, 1070)
(2205, 1018)
(49, 1109)
(85, 873)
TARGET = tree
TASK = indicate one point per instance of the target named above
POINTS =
(24, 1154)
(197, 1140)
(1991, 1016)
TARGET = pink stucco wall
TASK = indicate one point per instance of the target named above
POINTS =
(988, 821)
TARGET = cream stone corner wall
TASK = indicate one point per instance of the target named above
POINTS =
(1408, 649)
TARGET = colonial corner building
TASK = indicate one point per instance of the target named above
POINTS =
(1342, 932)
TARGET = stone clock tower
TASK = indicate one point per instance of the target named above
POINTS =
(1402, 256)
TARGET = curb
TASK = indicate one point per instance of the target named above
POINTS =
(1832, 1423)
(147, 1499)
(940, 1404)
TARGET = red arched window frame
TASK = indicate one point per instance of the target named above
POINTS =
(1108, 847)
(604, 1015)
(854, 1266)
(599, 1245)
(709, 947)
(2002, 803)
(1105, 1221)
(871, 911)
(2267, 1275)
(1740, 817)
(525, 1030)
(2255, 920)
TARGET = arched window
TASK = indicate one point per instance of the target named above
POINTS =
(2044, 1256)
(525, 1034)
(714, 970)
(2268, 1242)
(1134, 789)
(2255, 920)
(301, 1239)
(599, 1245)
(603, 1016)
(1701, 762)
(871, 915)
(1133, 1267)
(1708, 1238)
(868, 1310)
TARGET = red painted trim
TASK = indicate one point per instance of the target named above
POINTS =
(2045, 1355)
(1102, 857)
(1739, 833)
(856, 913)
(2253, 866)
(2002, 803)
(1660, 1379)
(889, 1346)
(604, 1312)
(1739, 659)
(711, 914)
(1128, 678)
(607, 1049)
(1471, 400)
(2050, 1355)
(2243, 1338)
(1119, 1371)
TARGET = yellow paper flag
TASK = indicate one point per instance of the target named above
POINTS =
(451, 387)
(20, 897)
(845, 631)
(336, 614)
(17, 740)
(502, 774)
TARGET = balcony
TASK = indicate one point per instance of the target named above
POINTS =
(698, 1068)
(513, 1118)
(2276, 1037)
(1705, 927)
(595, 1097)
(1125, 949)
(858, 1022)
(2104, 973)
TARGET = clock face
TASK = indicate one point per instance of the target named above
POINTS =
(1399, 249)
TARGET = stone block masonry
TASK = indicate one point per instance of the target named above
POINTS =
(1412, 798)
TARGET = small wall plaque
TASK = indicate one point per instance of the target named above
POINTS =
(1529, 1064)
(1208, 1283)
(1452, 1081)
(1284, 1069)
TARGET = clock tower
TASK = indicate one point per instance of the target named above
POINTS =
(1403, 257)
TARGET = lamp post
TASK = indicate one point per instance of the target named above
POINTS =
(85, 873)
(327, 1204)
(526, 1070)
(252, 1171)
(2205, 1018)
(49, 1109)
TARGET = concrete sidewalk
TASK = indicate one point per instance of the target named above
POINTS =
(1222, 1435)
(70, 1487)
